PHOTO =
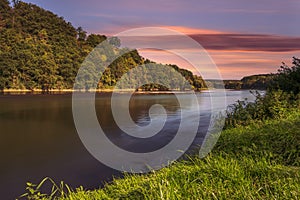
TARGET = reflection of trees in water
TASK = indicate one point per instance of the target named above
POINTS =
(139, 106)
(41, 108)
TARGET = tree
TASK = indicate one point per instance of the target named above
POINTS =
(93, 40)
(81, 34)
(288, 78)
(15, 2)
(115, 41)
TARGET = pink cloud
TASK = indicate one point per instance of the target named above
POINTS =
(231, 64)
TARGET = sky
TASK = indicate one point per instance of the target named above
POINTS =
(242, 37)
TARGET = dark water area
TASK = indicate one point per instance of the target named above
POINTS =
(38, 137)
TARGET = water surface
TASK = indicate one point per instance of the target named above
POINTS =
(38, 138)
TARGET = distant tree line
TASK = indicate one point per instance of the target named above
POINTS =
(259, 82)
(255, 82)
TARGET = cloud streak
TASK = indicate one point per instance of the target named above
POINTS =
(215, 40)
(248, 42)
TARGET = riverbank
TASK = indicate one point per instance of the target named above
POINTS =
(20, 91)
(259, 161)
(64, 91)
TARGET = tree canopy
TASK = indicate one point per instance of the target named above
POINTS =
(288, 78)
(40, 50)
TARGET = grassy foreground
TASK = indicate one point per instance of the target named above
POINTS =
(259, 161)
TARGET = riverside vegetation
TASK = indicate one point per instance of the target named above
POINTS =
(256, 157)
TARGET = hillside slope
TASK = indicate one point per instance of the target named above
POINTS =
(40, 50)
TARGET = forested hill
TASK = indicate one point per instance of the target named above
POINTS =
(257, 82)
(40, 50)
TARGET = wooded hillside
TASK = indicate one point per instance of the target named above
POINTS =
(40, 50)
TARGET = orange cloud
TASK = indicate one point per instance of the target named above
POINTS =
(192, 31)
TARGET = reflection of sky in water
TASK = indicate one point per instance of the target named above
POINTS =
(173, 109)
(140, 105)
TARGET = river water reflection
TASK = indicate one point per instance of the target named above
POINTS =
(38, 138)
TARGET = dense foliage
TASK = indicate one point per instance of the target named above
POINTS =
(257, 82)
(288, 78)
(260, 82)
(282, 96)
(39, 50)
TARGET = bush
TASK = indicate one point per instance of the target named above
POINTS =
(272, 105)
(288, 78)
(282, 96)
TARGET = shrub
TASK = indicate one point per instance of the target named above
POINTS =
(282, 95)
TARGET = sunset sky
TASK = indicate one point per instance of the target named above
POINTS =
(242, 37)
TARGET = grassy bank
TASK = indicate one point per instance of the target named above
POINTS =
(259, 161)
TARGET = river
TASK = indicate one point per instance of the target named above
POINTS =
(38, 137)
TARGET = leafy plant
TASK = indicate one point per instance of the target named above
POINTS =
(34, 190)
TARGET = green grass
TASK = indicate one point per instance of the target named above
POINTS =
(259, 161)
